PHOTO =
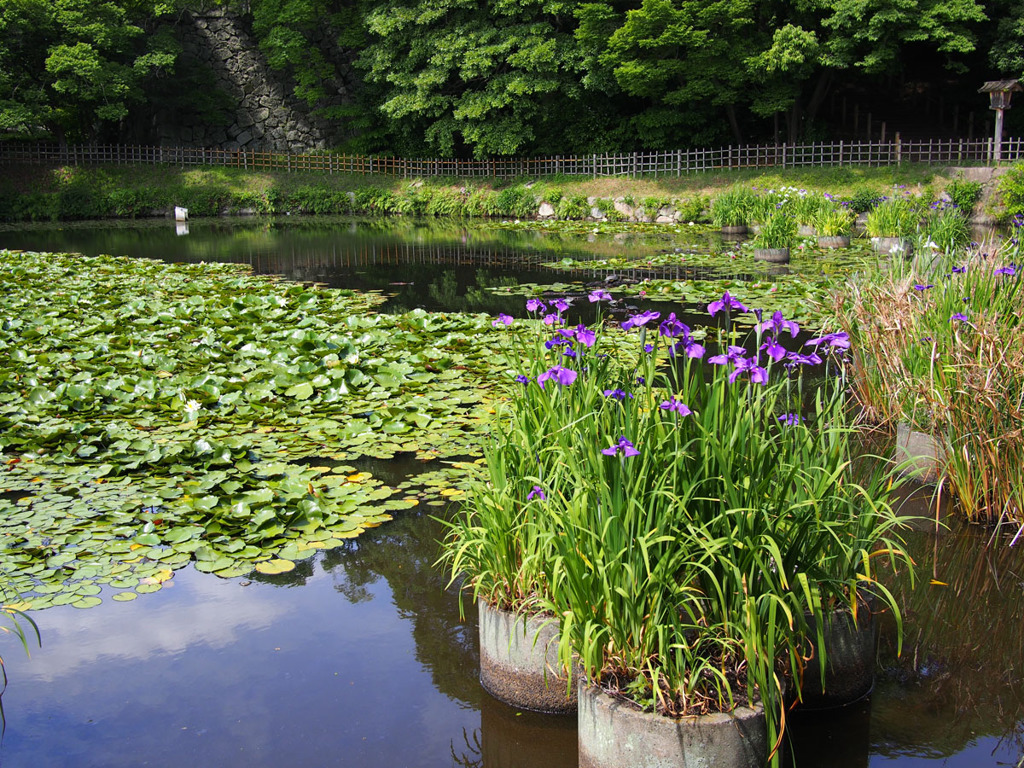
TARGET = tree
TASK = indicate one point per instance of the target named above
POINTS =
(474, 77)
(72, 66)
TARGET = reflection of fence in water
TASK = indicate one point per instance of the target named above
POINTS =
(506, 258)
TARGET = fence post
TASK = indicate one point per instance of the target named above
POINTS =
(783, 154)
(990, 148)
(899, 149)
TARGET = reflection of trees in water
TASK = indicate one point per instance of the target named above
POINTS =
(403, 552)
(961, 673)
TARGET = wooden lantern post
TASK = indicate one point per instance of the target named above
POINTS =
(999, 93)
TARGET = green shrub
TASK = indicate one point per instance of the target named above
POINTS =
(693, 209)
(482, 202)
(863, 200)
(125, 203)
(445, 202)
(516, 202)
(1011, 192)
(78, 201)
(573, 207)
(964, 194)
(607, 207)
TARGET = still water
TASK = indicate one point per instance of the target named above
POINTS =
(362, 656)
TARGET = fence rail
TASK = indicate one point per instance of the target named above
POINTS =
(634, 164)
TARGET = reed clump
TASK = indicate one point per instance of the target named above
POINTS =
(937, 345)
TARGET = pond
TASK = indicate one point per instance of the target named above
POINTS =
(361, 657)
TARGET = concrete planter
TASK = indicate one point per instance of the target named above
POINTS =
(919, 454)
(772, 255)
(805, 230)
(734, 229)
(834, 241)
(893, 245)
(850, 653)
(614, 734)
(519, 661)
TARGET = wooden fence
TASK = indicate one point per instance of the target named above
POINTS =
(663, 163)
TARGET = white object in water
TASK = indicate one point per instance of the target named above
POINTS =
(180, 214)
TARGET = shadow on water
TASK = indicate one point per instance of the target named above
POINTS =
(364, 657)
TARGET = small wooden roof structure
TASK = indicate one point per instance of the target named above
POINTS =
(1000, 91)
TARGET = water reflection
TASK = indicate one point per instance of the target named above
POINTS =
(960, 677)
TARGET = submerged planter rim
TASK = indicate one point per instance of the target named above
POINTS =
(833, 241)
(772, 255)
(851, 652)
(615, 733)
(519, 661)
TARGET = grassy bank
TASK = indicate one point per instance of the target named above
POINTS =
(33, 193)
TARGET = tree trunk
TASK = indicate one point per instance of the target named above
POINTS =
(730, 113)
(821, 87)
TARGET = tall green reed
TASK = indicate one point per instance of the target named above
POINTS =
(937, 345)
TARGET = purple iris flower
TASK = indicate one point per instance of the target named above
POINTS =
(920, 287)
(568, 333)
(585, 336)
(502, 320)
(523, 379)
(641, 380)
(535, 305)
(795, 358)
(676, 407)
(959, 270)
(775, 350)
(616, 394)
(726, 302)
(569, 352)
(599, 295)
(1009, 270)
(959, 316)
(561, 376)
(671, 328)
(555, 342)
(624, 445)
(734, 355)
(648, 348)
(552, 319)
(562, 304)
(689, 346)
(758, 375)
(638, 321)
(536, 493)
(778, 324)
(839, 339)
(790, 419)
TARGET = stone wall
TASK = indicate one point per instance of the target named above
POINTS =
(267, 116)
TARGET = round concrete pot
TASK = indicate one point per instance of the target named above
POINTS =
(805, 230)
(893, 245)
(772, 255)
(519, 661)
(834, 241)
(850, 652)
(734, 229)
(918, 454)
(614, 734)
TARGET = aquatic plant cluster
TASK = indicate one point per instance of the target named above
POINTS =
(938, 346)
(154, 416)
(685, 530)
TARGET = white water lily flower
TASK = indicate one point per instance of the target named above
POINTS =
(192, 409)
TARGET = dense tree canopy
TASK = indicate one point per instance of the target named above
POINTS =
(475, 78)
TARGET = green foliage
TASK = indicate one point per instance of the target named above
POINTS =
(693, 208)
(678, 525)
(573, 207)
(893, 217)
(863, 200)
(778, 230)
(515, 202)
(834, 222)
(1011, 192)
(68, 67)
(733, 207)
(964, 194)
(965, 386)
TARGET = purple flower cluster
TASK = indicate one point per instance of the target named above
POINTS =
(563, 377)
(627, 448)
